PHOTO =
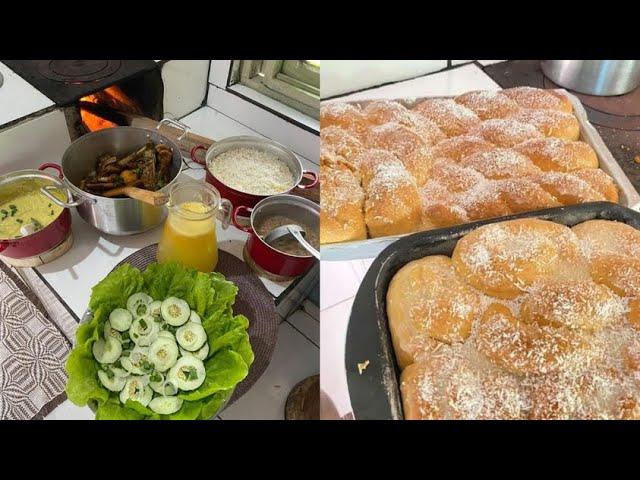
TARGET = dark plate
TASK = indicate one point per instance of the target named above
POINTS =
(376, 394)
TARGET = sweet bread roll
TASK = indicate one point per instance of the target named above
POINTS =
(406, 144)
(633, 316)
(500, 163)
(558, 154)
(449, 386)
(341, 206)
(551, 123)
(504, 259)
(618, 272)
(340, 142)
(370, 160)
(600, 182)
(392, 205)
(576, 305)
(506, 132)
(344, 115)
(453, 118)
(604, 236)
(456, 148)
(384, 111)
(455, 178)
(523, 195)
(440, 208)
(426, 299)
(568, 189)
(523, 348)
(487, 104)
(529, 97)
(484, 201)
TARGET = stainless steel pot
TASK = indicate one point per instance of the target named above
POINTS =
(116, 216)
(594, 77)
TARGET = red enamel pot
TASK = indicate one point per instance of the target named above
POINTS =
(52, 234)
(300, 210)
(303, 178)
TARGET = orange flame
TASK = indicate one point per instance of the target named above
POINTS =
(112, 97)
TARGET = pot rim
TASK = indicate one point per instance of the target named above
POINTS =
(258, 140)
(272, 198)
(76, 190)
(14, 176)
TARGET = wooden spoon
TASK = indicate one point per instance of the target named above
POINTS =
(146, 196)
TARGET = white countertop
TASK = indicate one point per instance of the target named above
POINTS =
(18, 98)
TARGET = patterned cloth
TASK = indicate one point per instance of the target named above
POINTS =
(32, 353)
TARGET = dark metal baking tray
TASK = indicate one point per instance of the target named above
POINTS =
(375, 394)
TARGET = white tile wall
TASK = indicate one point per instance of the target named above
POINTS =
(185, 86)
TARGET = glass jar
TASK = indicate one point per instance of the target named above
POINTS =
(189, 233)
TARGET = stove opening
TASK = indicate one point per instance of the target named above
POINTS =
(100, 110)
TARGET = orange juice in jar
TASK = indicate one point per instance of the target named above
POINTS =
(189, 235)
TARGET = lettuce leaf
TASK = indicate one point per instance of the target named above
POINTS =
(114, 410)
(211, 405)
(113, 291)
(224, 371)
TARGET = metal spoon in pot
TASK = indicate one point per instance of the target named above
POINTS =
(297, 232)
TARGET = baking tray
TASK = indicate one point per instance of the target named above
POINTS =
(629, 196)
(375, 394)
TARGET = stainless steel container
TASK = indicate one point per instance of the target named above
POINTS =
(116, 216)
(594, 77)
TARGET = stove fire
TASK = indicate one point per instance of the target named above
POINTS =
(101, 110)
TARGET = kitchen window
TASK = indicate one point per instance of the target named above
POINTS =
(295, 83)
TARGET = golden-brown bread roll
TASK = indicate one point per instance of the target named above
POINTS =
(505, 132)
(370, 160)
(551, 123)
(484, 201)
(440, 208)
(568, 189)
(503, 259)
(558, 154)
(453, 118)
(427, 300)
(574, 304)
(618, 272)
(450, 386)
(454, 177)
(487, 104)
(455, 148)
(500, 163)
(523, 195)
(385, 111)
(605, 236)
(392, 205)
(600, 182)
(523, 348)
(340, 142)
(406, 144)
(344, 115)
(530, 97)
(341, 206)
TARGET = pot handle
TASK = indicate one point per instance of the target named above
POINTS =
(234, 218)
(176, 124)
(309, 175)
(224, 213)
(55, 166)
(68, 204)
(193, 154)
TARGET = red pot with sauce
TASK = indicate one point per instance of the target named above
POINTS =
(273, 212)
(241, 195)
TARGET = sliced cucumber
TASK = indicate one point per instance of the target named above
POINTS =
(194, 317)
(144, 331)
(138, 304)
(163, 386)
(109, 331)
(200, 354)
(106, 351)
(188, 373)
(154, 308)
(165, 405)
(137, 389)
(163, 353)
(120, 319)
(138, 361)
(113, 384)
(175, 311)
(191, 336)
(166, 334)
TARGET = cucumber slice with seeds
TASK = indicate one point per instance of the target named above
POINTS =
(163, 353)
(191, 336)
(138, 361)
(163, 386)
(137, 389)
(144, 331)
(154, 308)
(113, 384)
(166, 334)
(106, 351)
(165, 405)
(109, 331)
(120, 319)
(194, 317)
(200, 354)
(175, 311)
(138, 304)
(188, 373)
